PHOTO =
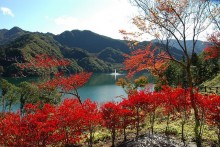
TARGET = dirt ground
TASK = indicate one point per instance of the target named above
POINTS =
(145, 140)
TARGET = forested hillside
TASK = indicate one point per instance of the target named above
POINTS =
(84, 49)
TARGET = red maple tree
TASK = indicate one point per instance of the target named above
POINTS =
(149, 59)
(126, 116)
(213, 49)
(44, 61)
(68, 84)
(70, 123)
(39, 125)
(110, 116)
(92, 118)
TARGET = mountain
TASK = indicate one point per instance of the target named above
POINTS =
(199, 47)
(24, 48)
(84, 49)
(90, 41)
(9, 35)
(111, 55)
(178, 54)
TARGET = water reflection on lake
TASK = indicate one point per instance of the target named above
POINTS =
(101, 87)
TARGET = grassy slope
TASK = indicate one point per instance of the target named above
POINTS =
(215, 82)
(103, 137)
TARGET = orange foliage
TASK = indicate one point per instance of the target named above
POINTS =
(171, 6)
(146, 59)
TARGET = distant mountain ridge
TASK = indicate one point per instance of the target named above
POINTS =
(9, 35)
(200, 45)
(89, 41)
(85, 49)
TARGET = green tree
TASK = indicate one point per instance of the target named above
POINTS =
(130, 86)
(173, 74)
(28, 94)
(1, 69)
(10, 95)
(204, 69)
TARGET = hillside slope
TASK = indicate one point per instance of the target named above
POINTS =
(214, 82)
(86, 50)
(90, 41)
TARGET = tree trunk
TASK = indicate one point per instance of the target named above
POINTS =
(183, 138)
(218, 133)
(125, 137)
(196, 113)
(113, 137)
(90, 138)
(9, 107)
(22, 103)
(152, 118)
(167, 127)
(3, 104)
(184, 118)
(138, 123)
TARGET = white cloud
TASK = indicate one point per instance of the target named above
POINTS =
(7, 11)
(106, 21)
(67, 22)
(46, 17)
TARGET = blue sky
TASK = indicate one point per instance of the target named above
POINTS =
(105, 17)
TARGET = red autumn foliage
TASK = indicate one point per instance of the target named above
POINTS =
(126, 115)
(146, 59)
(154, 100)
(69, 84)
(73, 82)
(213, 115)
(92, 118)
(110, 115)
(213, 49)
(214, 110)
(10, 130)
(44, 61)
(39, 125)
(71, 122)
(49, 125)
(175, 100)
(210, 104)
(138, 104)
(169, 101)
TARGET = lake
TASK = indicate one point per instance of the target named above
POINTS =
(100, 88)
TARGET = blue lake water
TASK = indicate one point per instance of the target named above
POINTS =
(100, 88)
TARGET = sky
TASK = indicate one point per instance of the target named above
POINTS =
(105, 17)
